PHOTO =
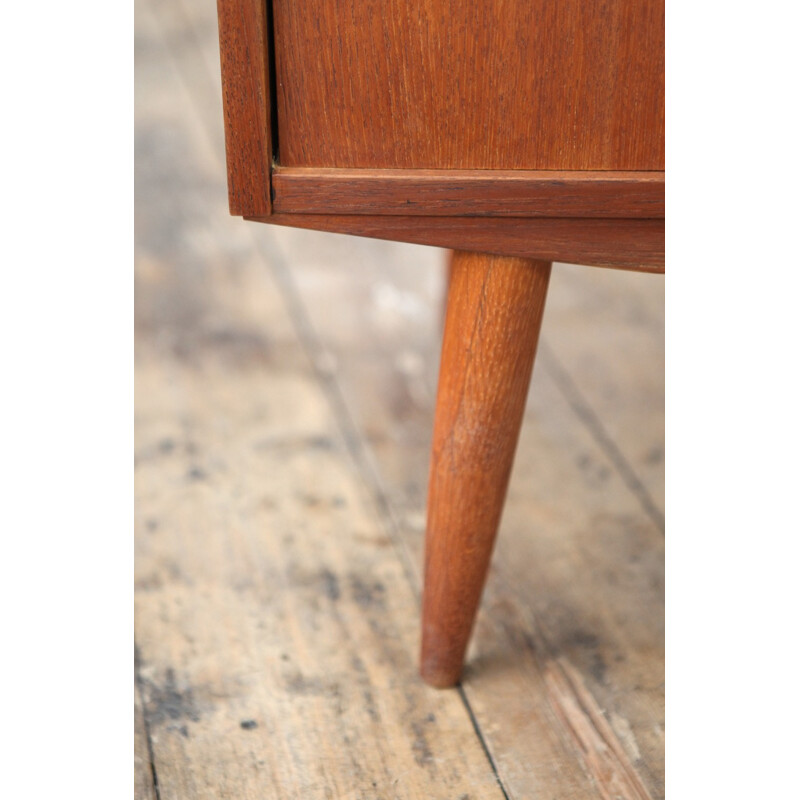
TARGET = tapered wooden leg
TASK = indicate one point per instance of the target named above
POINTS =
(494, 312)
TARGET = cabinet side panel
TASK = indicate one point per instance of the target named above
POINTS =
(245, 95)
(444, 84)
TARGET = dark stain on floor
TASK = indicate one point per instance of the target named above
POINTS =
(170, 702)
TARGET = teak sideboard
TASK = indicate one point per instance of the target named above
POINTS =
(516, 134)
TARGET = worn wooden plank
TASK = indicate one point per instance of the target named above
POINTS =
(507, 193)
(623, 404)
(264, 577)
(578, 575)
(602, 751)
(277, 628)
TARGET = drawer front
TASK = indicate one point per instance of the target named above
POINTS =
(499, 84)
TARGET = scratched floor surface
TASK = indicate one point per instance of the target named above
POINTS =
(285, 384)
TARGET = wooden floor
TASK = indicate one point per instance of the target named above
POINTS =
(284, 395)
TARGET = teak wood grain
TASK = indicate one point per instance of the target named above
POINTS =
(246, 103)
(492, 85)
(509, 193)
(632, 244)
(494, 314)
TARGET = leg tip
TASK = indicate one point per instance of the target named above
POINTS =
(439, 676)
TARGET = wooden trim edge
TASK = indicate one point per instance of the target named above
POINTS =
(468, 193)
(243, 50)
(631, 244)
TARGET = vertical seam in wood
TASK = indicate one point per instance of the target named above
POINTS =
(272, 82)
(479, 733)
